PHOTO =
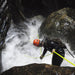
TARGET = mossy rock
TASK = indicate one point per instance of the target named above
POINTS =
(60, 24)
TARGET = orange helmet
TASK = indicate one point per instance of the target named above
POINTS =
(36, 42)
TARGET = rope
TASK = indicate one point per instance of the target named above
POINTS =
(64, 58)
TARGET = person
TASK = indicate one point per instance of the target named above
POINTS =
(51, 45)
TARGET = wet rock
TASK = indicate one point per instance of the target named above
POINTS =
(61, 24)
(30, 8)
(44, 7)
(5, 20)
(40, 69)
(16, 11)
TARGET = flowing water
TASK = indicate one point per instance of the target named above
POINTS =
(19, 49)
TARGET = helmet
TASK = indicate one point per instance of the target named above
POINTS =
(36, 42)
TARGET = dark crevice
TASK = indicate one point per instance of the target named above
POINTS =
(29, 8)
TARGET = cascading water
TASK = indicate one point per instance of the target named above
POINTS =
(19, 49)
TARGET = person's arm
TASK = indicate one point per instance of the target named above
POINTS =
(44, 52)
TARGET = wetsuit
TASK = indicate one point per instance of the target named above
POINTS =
(49, 45)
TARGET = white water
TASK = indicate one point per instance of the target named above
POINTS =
(19, 49)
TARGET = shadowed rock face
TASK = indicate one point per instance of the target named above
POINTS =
(44, 7)
(20, 9)
(61, 24)
(40, 69)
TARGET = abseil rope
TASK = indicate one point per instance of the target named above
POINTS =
(63, 58)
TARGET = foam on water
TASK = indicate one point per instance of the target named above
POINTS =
(19, 49)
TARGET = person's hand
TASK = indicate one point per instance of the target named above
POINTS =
(53, 50)
(41, 56)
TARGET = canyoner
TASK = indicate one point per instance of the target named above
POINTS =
(56, 47)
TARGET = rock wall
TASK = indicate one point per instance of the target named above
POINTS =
(20, 9)
(40, 69)
(5, 20)
(60, 24)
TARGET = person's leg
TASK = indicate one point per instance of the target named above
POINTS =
(56, 60)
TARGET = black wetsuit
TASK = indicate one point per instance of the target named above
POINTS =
(49, 45)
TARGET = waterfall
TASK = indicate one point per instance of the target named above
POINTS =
(19, 49)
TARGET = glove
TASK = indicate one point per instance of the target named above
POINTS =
(53, 50)
(41, 56)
